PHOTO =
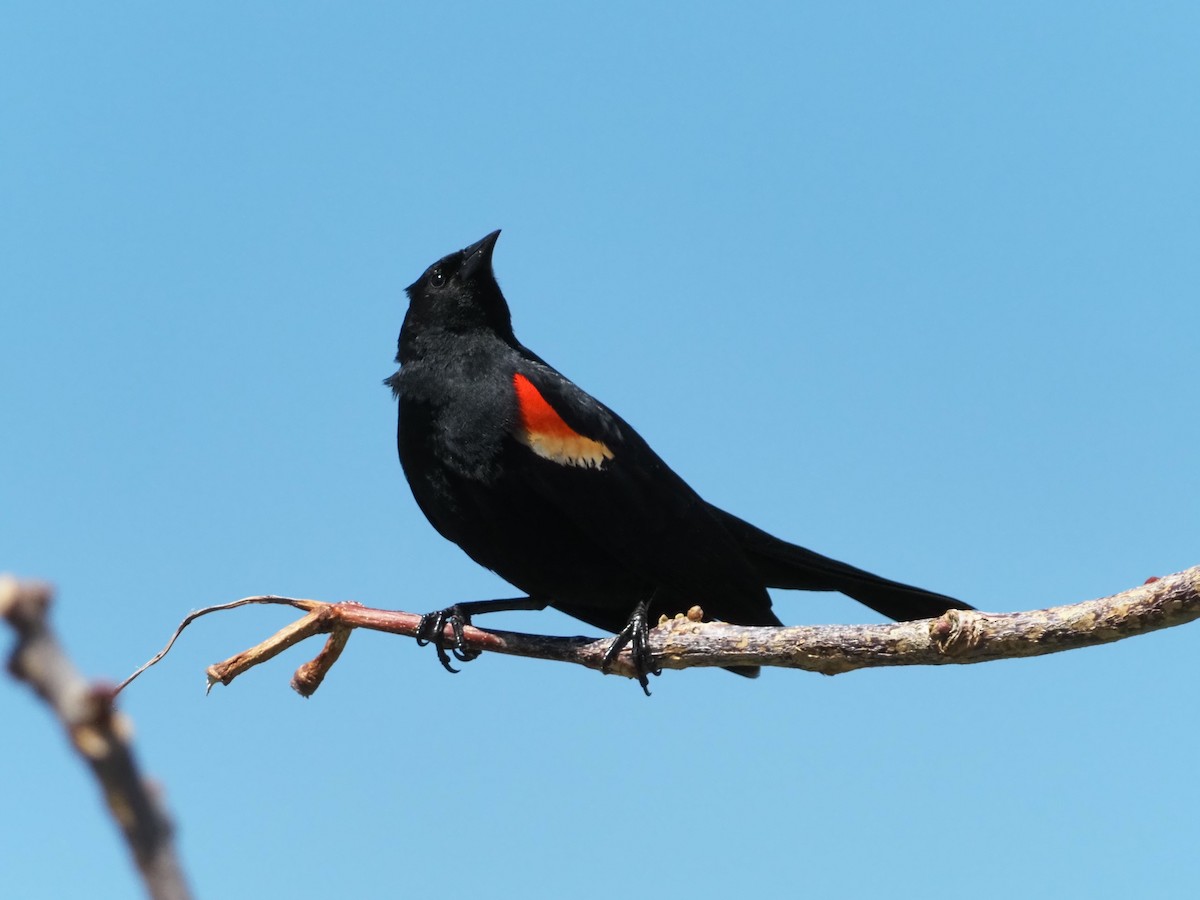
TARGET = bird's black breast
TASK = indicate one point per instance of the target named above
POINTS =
(455, 412)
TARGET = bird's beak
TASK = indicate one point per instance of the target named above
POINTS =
(478, 257)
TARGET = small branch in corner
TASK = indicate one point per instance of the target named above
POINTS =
(97, 731)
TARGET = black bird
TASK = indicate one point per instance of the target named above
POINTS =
(549, 488)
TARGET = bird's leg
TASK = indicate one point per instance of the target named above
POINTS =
(433, 625)
(637, 633)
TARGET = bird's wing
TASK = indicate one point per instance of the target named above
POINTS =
(598, 471)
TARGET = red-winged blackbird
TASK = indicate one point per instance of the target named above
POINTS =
(557, 494)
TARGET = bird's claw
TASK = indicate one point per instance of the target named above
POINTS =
(636, 635)
(432, 628)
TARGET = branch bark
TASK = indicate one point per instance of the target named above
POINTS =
(958, 637)
(98, 732)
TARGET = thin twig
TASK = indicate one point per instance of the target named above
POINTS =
(188, 620)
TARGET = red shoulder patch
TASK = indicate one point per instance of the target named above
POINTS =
(545, 433)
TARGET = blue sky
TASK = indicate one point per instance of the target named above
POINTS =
(911, 284)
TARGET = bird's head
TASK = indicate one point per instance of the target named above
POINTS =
(459, 293)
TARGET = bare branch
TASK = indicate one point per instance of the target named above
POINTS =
(958, 637)
(98, 732)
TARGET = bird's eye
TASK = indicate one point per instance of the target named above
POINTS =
(437, 278)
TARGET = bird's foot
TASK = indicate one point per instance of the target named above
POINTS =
(636, 635)
(432, 630)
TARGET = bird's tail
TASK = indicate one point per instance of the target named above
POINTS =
(785, 565)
